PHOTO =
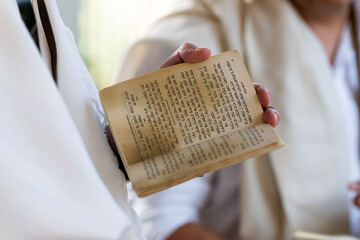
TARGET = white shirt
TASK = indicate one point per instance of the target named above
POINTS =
(211, 200)
(347, 85)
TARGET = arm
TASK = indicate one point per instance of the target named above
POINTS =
(192, 231)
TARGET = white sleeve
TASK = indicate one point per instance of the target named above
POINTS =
(164, 212)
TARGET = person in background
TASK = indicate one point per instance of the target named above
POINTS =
(59, 178)
(306, 52)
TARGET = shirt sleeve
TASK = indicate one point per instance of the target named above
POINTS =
(163, 213)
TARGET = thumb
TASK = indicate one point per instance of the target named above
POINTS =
(187, 52)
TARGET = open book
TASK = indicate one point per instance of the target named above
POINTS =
(186, 120)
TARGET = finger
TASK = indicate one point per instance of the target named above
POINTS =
(271, 116)
(263, 94)
(187, 52)
(354, 186)
(356, 201)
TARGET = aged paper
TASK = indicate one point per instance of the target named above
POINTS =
(197, 159)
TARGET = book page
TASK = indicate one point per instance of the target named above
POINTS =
(300, 235)
(178, 106)
(197, 159)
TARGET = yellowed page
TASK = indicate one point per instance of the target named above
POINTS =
(172, 168)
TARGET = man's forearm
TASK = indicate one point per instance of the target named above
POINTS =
(192, 231)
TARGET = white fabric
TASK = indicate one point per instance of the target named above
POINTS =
(347, 84)
(303, 185)
(309, 175)
(211, 200)
(58, 176)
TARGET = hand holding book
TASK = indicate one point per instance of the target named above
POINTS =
(183, 121)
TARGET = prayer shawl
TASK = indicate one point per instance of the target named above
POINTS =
(59, 178)
(303, 185)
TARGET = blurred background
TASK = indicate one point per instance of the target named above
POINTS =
(104, 29)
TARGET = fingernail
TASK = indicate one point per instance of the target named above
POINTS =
(201, 48)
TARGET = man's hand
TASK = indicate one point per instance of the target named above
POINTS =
(271, 115)
(191, 53)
